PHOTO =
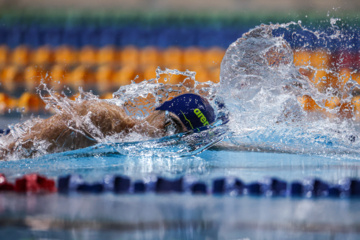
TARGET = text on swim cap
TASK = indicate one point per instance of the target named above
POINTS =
(200, 115)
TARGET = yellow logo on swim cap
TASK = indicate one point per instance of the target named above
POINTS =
(200, 115)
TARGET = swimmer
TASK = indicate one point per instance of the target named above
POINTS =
(69, 131)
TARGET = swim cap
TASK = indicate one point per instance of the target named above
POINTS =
(193, 110)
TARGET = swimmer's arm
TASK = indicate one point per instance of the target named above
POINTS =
(61, 131)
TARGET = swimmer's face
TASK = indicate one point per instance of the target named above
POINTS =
(166, 122)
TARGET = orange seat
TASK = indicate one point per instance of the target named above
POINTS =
(43, 55)
(4, 54)
(213, 57)
(320, 59)
(32, 76)
(149, 56)
(356, 106)
(331, 104)
(302, 58)
(59, 77)
(12, 78)
(356, 77)
(20, 55)
(66, 55)
(344, 76)
(324, 80)
(201, 74)
(88, 55)
(82, 76)
(104, 78)
(149, 72)
(124, 76)
(108, 55)
(168, 78)
(214, 75)
(130, 56)
(172, 56)
(6, 103)
(193, 57)
(108, 95)
(308, 72)
(346, 110)
(31, 103)
(309, 104)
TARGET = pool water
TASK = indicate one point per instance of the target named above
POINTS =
(179, 216)
(182, 216)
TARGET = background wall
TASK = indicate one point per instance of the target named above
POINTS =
(213, 5)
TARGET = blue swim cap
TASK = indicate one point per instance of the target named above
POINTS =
(193, 110)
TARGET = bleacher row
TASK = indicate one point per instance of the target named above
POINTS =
(103, 69)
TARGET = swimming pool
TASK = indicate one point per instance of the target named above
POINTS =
(262, 146)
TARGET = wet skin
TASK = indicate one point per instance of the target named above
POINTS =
(68, 131)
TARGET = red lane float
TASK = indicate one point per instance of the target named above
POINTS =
(34, 183)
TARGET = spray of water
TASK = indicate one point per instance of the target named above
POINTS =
(137, 99)
(264, 92)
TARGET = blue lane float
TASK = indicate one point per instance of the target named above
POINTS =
(268, 187)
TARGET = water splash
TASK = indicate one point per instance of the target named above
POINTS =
(138, 100)
(265, 92)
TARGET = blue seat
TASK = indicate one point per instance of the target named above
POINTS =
(15, 36)
(33, 37)
(4, 32)
(109, 36)
(71, 37)
(52, 36)
(230, 35)
(209, 37)
(89, 36)
(129, 36)
(303, 39)
(284, 33)
(177, 36)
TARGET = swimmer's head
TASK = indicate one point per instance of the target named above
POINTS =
(193, 111)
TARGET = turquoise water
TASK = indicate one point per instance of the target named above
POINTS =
(182, 216)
